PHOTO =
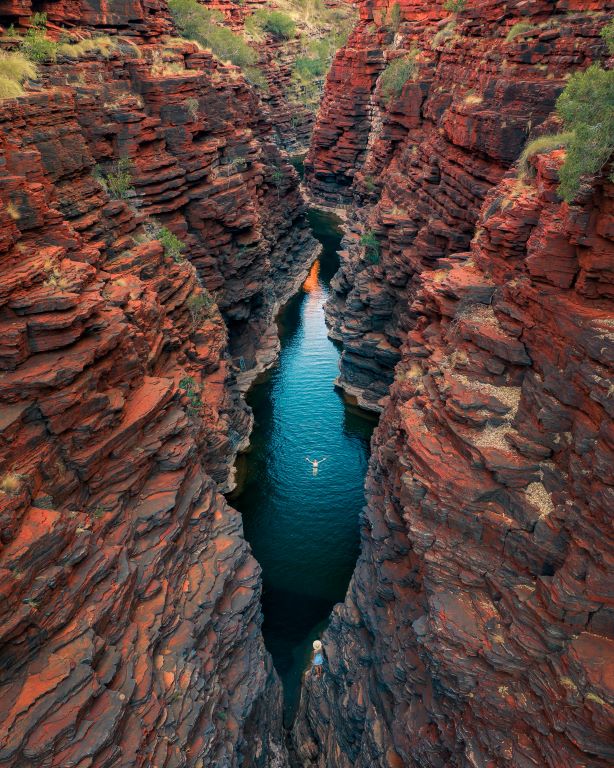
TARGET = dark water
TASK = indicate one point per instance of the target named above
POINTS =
(303, 528)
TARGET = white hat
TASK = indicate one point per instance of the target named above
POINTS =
(317, 645)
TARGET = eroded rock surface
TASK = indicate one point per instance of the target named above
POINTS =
(478, 627)
(129, 610)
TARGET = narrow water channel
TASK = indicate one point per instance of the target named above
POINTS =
(303, 528)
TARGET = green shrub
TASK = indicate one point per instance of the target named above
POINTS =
(39, 20)
(370, 243)
(586, 107)
(276, 23)
(521, 28)
(397, 73)
(307, 68)
(193, 392)
(117, 180)
(395, 17)
(455, 6)
(197, 23)
(172, 245)
(537, 146)
(608, 35)
(37, 47)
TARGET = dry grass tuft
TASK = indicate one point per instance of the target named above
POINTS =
(10, 484)
(15, 69)
(103, 45)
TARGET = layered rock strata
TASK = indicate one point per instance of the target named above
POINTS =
(417, 164)
(130, 617)
(292, 118)
(478, 627)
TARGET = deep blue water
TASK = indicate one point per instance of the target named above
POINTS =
(303, 528)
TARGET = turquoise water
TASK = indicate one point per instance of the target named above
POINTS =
(303, 528)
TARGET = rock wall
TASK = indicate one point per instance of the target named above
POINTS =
(416, 167)
(129, 611)
(478, 627)
(291, 118)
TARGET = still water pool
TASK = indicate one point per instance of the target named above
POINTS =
(303, 528)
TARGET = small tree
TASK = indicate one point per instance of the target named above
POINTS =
(586, 107)
(172, 245)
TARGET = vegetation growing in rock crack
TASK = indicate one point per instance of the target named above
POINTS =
(541, 144)
(397, 73)
(117, 180)
(370, 243)
(36, 45)
(395, 17)
(193, 392)
(173, 246)
(521, 28)
(608, 35)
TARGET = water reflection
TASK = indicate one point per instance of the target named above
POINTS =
(304, 528)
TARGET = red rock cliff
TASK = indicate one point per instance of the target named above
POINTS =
(129, 610)
(478, 627)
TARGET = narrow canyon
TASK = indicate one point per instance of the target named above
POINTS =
(178, 334)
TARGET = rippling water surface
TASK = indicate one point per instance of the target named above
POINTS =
(303, 528)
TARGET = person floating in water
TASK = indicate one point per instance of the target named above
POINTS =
(318, 658)
(315, 463)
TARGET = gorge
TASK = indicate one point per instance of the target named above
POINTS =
(152, 227)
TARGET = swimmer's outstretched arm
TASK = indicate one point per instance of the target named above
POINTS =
(324, 459)
(309, 460)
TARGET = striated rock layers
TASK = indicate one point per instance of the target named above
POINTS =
(291, 116)
(478, 629)
(129, 600)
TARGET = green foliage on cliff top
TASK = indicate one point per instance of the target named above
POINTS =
(397, 73)
(202, 25)
(586, 107)
(455, 6)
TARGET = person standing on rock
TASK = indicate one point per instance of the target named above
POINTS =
(318, 658)
(315, 463)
